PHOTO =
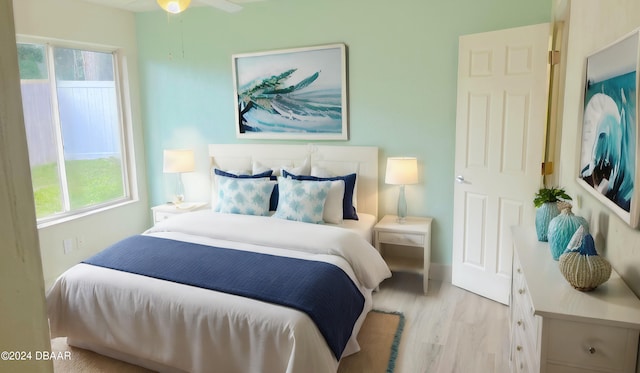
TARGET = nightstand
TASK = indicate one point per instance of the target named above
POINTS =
(415, 232)
(166, 210)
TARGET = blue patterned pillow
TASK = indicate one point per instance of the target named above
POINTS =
(273, 202)
(244, 195)
(348, 210)
(301, 200)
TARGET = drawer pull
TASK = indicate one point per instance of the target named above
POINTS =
(519, 348)
(519, 270)
(591, 350)
(519, 322)
(521, 291)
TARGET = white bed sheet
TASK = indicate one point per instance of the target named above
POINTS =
(363, 226)
(171, 327)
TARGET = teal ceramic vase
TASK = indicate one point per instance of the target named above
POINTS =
(562, 228)
(544, 215)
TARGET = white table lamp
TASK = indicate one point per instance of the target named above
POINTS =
(177, 161)
(402, 171)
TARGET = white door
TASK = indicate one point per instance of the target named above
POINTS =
(500, 131)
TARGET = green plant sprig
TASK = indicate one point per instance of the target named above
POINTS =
(545, 195)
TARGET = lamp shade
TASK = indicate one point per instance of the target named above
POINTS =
(401, 171)
(174, 6)
(178, 160)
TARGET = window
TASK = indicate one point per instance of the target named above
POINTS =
(71, 102)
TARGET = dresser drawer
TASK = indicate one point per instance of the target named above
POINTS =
(520, 363)
(524, 354)
(525, 333)
(160, 216)
(526, 319)
(527, 324)
(588, 345)
(553, 368)
(401, 238)
(518, 277)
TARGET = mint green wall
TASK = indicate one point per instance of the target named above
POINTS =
(402, 69)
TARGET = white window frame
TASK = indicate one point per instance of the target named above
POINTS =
(126, 130)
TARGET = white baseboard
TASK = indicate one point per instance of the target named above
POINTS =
(440, 272)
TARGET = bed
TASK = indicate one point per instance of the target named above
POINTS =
(320, 276)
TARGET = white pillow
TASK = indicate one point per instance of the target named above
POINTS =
(259, 167)
(234, 172)
(304, 169)
(319, 171)
(244, 196)
(333, 205)
(302, 200)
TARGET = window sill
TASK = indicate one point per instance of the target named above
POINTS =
(79, 215)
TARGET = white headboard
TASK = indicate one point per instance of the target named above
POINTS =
(341, 160)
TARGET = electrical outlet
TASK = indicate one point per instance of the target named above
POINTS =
(67, 245)
(81, 241)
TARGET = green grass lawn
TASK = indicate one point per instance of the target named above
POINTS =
(91, 182)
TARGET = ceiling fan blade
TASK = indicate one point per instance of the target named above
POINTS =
(225, 5)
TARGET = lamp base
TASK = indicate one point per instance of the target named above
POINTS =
(402, 206)
(178, 199)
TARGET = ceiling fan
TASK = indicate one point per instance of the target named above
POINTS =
(230, 6)
(177, 6)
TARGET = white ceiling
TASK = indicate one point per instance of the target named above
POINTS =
(150, 5)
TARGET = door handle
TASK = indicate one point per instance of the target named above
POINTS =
(460, 179)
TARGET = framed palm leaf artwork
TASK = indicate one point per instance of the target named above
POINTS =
(296, 93)
(609, 154)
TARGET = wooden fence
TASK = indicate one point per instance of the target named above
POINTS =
(88, 119)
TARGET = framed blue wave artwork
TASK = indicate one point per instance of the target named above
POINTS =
(298, 93)
(609, 151)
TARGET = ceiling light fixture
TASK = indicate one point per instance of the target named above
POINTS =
(174, 6)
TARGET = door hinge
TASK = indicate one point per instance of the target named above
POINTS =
(546, 168)
(554, 57)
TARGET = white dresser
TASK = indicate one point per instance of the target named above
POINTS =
(557, 329)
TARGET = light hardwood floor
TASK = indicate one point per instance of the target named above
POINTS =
(447, 330)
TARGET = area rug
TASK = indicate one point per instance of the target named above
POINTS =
(379, 340)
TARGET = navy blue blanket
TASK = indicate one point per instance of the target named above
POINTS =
(321, 290)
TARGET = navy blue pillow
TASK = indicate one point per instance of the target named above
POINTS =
(273, 201)
(218, 171)
(348, 210)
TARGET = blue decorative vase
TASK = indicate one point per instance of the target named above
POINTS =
(562, 228)
(544, 215)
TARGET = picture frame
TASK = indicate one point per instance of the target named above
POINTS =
(609, 134)
(298, 93)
